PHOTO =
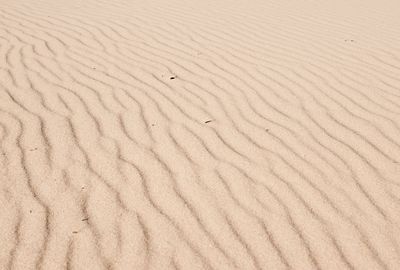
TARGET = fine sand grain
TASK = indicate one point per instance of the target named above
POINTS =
(199, 134)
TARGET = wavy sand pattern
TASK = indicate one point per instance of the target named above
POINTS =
(190, 134)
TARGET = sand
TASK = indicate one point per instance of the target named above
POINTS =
(189, 134)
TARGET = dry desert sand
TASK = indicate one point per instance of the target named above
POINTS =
(187, 134)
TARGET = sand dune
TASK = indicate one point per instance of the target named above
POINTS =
(190, 134)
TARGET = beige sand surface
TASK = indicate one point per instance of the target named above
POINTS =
(199, 134)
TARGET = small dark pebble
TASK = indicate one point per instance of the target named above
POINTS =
(172, 78)
(74, 232)
(30, 211)
(208, 121)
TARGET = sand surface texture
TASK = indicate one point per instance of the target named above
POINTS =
(190, 134)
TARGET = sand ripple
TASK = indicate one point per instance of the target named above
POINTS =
(199, 134)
